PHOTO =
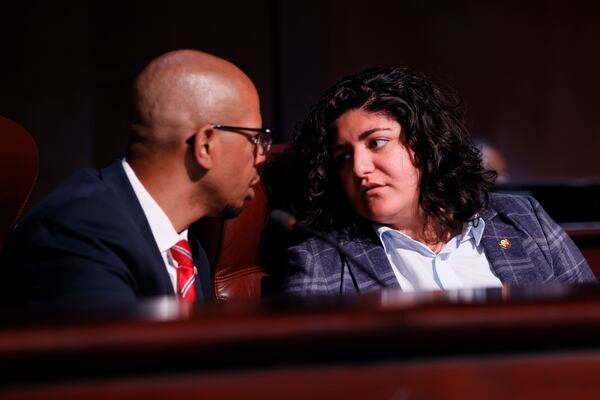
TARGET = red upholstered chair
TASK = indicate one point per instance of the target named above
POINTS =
(19, 165)
(233, 246)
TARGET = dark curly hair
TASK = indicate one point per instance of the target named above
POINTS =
(454, 186)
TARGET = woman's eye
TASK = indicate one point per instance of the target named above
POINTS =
(377, 143)
(342, 156)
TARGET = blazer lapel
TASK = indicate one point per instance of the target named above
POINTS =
(367, 254)
(505, 249)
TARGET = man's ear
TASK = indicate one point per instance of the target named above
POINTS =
(204, 146)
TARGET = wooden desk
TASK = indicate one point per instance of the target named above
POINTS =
(519, 343)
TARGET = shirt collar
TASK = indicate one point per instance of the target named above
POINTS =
(163, 231)
(395, 236)
(472, 229)
(477, 227)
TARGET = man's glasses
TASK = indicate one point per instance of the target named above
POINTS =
(262, 140)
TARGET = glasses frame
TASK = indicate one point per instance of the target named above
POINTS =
(263, 138)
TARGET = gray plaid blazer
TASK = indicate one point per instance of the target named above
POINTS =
(540, 251)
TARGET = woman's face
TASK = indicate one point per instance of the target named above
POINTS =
(377, 170)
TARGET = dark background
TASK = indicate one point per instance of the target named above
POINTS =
(527, 71)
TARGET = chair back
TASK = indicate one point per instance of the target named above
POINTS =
(233, 246)
(19, 165)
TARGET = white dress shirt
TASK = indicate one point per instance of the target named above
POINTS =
(163, 231)
(461, 263)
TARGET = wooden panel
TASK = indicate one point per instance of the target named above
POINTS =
(533, 376)
(166, 338)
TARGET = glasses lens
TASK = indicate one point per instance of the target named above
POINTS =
(265, 142)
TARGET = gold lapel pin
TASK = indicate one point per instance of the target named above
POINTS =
(504, 243)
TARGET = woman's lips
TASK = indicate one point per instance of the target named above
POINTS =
(372, 189)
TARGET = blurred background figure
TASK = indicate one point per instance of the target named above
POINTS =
(493, 160)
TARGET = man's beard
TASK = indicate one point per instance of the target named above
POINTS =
(231, 212)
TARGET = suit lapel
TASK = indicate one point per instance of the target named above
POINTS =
(505, 248)
(115, 177)
(204, 281)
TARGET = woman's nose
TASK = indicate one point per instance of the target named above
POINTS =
(362, 163)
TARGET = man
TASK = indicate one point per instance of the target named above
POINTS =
(107, 238)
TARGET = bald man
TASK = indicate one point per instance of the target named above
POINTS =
(108, 238)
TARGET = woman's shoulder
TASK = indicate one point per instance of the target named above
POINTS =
(511, 203)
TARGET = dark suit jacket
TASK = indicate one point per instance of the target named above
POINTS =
(89, 245)
(540, 252)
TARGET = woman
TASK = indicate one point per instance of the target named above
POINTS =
(394, 178)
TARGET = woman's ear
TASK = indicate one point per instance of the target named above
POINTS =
(204, 146)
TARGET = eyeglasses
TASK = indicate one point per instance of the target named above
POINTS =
(262, 141)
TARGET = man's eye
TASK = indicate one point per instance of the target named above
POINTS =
(377, 143)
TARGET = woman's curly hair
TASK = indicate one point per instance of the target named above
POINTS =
(453, 184)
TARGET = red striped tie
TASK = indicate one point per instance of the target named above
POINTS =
(186, 287)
